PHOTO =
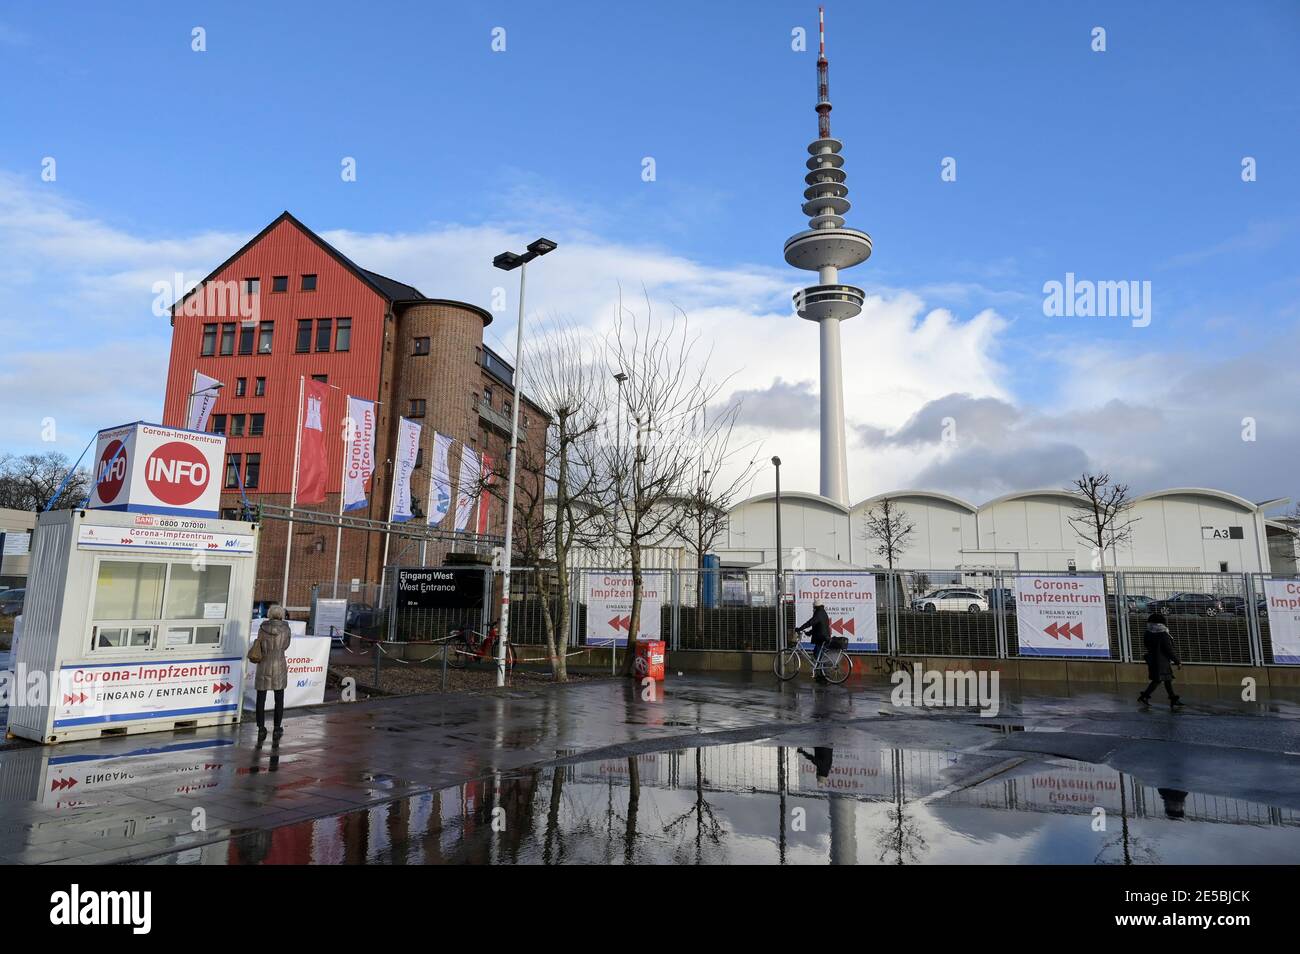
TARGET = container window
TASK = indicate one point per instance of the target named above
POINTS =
(127, 590)
(207, 635)
(198, 593)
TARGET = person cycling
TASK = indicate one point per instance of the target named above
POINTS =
(818, 627)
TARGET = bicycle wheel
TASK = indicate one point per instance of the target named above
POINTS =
(457, 652)
(838, 669)
(786, 664)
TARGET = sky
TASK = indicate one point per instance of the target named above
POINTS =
(1123, 164)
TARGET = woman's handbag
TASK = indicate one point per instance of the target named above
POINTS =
(255, 651)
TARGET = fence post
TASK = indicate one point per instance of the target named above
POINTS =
(1000, 608)
(1121, 617)
(1252, 621)
(575, 585)
(677, 607)
(891, 616)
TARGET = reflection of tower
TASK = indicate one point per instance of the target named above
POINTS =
(826, 247)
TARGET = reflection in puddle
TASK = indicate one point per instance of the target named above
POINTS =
(774, 803)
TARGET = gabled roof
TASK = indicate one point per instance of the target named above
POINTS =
(393, 291)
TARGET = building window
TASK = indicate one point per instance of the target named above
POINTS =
(228, 339)
(252, 286)
(241, 387)
(256, 425)
(505, 408)
(417, 408)
(259, 387)
(246, 339)
(209, 341)
(323, 328)
(309, 283)
(343, 335)
(218, 423)
(1223, 566)
(264, 332)
(419, 457)
(252, 470)
(279, 283)
(421, 346)
(487, 396)
(322, 378)
(304, 335)
(232, 471)
(236, 425)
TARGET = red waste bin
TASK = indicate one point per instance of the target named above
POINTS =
(649, 661)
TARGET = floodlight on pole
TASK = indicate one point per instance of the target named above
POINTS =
(508, 261)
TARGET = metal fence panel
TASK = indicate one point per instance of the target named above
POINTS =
(1206, 613)
(1004, 602)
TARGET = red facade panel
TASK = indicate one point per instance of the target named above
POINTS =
(284, 250)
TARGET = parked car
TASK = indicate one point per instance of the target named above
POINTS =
(951, 600)
(361, 618)
(1236, 605)
(1134, 603)
(1001, 597)
(1190, 604)
(11, 602)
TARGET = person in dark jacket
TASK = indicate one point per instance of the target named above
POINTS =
(272, 669)
(1160, 653)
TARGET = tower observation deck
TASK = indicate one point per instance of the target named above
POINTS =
(825, 247)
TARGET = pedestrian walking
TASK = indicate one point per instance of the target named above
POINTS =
(268, 652)
(1160, 654)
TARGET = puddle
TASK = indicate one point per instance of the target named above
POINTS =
(768, 802)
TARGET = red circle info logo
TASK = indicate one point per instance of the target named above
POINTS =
(177, 473)
(109, 480)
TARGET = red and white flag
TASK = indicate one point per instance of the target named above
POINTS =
(312, 463)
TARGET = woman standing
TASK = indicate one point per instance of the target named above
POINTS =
(272, 667)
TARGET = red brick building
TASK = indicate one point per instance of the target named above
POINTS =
(308, 311)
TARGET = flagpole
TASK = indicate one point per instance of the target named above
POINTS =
(392, 499)
(343, 479)
(189, 401)
(293, 494)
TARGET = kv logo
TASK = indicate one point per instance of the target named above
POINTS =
(111, 472)
(177, 473)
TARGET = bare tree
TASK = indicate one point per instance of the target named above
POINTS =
(1103, 515)
(724, 474)
(30, 481)
(665, 391)
(566, 377)
(887, 525)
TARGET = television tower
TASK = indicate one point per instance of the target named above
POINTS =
(826, 247)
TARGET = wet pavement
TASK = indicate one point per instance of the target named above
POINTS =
(717, 770)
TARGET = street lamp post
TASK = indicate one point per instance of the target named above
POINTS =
(780, 577)
(620, 377)
(507, 261)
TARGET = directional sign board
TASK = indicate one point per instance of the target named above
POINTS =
(850, 602)
(1061, 616)
(609, 607)
(440, 588)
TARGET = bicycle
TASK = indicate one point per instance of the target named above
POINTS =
(833, 662)
(466, 642)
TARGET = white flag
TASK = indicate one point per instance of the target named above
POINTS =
(360, 435)
(440, 481)
(468, 489)
(408, 445)
(202, 401)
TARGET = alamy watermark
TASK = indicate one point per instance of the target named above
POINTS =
(1083, 298)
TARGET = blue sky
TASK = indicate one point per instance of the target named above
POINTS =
(1122, 165)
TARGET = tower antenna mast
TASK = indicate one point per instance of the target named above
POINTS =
(825, 247)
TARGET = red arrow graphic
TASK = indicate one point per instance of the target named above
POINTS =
(222, 687)
(59, 784)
